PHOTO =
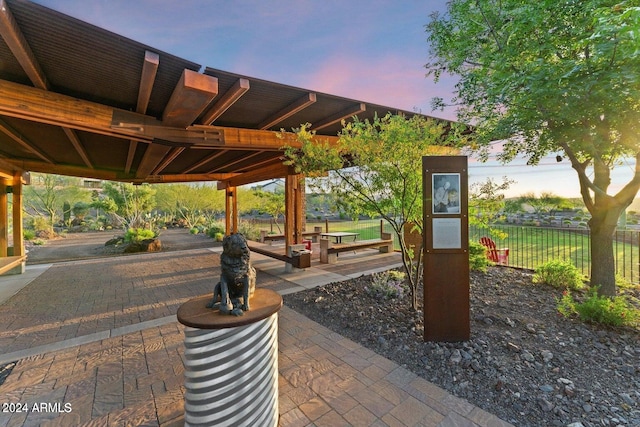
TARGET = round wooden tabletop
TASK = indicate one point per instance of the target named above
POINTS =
(194, 313)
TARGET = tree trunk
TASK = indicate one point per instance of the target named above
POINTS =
(602, 224)
(602, 260)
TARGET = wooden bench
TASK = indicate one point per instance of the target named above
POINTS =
(329, 251)
(266, 237)
(10, 262)
(300, 260)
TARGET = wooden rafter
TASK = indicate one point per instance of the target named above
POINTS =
(298, 105)
(37, 105)
(204, 161)
(262, 164)
(77, 144)
(198, 177)
(173, 154)
(29, 103)
(39, 166)
(133, 145)
(190, 97)
(277, 170)
(14, 38)
(152, 157)
(147, 79)
(240, 87)
(23, 142)
(342, 115)
(235, 162)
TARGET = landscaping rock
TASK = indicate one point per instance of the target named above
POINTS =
(147, 245)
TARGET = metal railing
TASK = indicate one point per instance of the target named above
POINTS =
(530, 247)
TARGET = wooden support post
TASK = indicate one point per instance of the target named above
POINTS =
(294, 206)
(231, 211)
(289, 210)
(18, 232)
(299, 209)
(4, 218)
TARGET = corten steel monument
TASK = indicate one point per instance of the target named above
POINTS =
(446, 248)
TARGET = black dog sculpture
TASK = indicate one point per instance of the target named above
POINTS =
(237, 277)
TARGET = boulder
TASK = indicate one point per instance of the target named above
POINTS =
(147, 245)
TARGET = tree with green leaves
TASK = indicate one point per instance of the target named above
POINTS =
(273, 204)
(48, 193)
(486, 203)
(193, 203)
(131, 204)
(551, 77)
(375, 169)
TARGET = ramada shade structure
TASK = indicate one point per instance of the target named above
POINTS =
(78, 100)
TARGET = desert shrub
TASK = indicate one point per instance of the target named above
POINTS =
(29, 234)
(194, 230)
(387, 285)
(478, 257)
(40, 223)
(214, 229)
(219, 237)
(616, 311)
(559, 274)
(249, 230)
(139, 234)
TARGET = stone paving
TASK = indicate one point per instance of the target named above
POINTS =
(96, 343)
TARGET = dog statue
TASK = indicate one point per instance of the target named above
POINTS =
(237, 277)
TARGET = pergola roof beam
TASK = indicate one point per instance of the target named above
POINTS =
(235, 162)
(152, 157)
(277, 170)
(73, 137)
(298, 105)
(240, 87)
(175, 152)
(204, 161)
(27, 145)
(193, 93)
(14, 38)
(147, 79)
(342, 115)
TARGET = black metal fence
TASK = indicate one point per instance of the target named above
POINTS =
(530, 247)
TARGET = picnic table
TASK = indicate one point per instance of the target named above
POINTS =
(338, 235)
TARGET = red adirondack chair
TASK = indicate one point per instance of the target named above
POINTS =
(499, 256)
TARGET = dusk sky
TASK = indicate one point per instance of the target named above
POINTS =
(372, 51)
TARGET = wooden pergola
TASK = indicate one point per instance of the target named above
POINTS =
(78, 100)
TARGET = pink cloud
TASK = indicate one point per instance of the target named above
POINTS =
(390, 80)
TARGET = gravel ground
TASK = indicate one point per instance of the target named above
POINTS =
(524, 362)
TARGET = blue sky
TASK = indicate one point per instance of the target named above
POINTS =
(372, 51)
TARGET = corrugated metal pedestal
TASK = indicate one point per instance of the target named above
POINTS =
(231, 363)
